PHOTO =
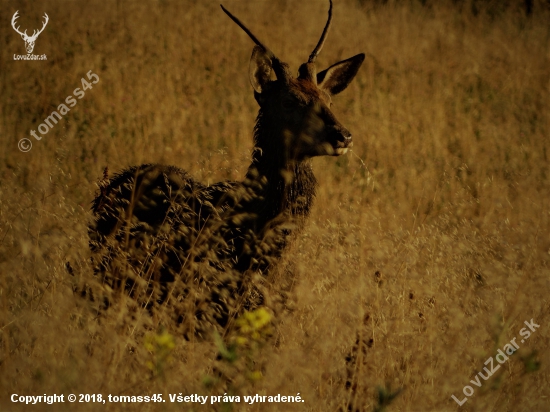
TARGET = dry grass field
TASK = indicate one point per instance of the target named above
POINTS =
(427, 249)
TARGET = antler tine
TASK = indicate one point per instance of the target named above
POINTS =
(319, 46)
(254, 38)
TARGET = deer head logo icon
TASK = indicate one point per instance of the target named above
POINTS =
(29, 40)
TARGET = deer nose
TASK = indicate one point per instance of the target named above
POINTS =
(345, 137)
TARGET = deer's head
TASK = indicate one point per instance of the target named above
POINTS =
(29, 40)
(300, 106)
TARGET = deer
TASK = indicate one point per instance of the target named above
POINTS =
(29, 40)
(162, 236)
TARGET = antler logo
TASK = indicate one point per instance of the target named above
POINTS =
(29, 40)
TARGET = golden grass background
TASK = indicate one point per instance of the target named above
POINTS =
(446, 195)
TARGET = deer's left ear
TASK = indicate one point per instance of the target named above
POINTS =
(259, 70)
(338, 76)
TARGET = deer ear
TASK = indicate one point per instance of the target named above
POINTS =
(338, 76)
(259, 69)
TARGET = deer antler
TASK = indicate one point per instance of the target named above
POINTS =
(15, 17)
(35, 32)
(250, 34)
(319, 46)
(280, 68)
(35, 35)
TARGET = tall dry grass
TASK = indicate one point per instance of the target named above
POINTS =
(446, 195)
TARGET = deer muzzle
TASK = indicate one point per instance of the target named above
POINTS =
(341, 141)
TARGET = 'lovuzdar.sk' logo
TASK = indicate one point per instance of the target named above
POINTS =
(29, 40)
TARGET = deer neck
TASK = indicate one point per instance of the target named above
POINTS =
(285, 186)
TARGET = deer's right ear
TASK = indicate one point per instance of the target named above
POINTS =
(338, 76)
(259, 69)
